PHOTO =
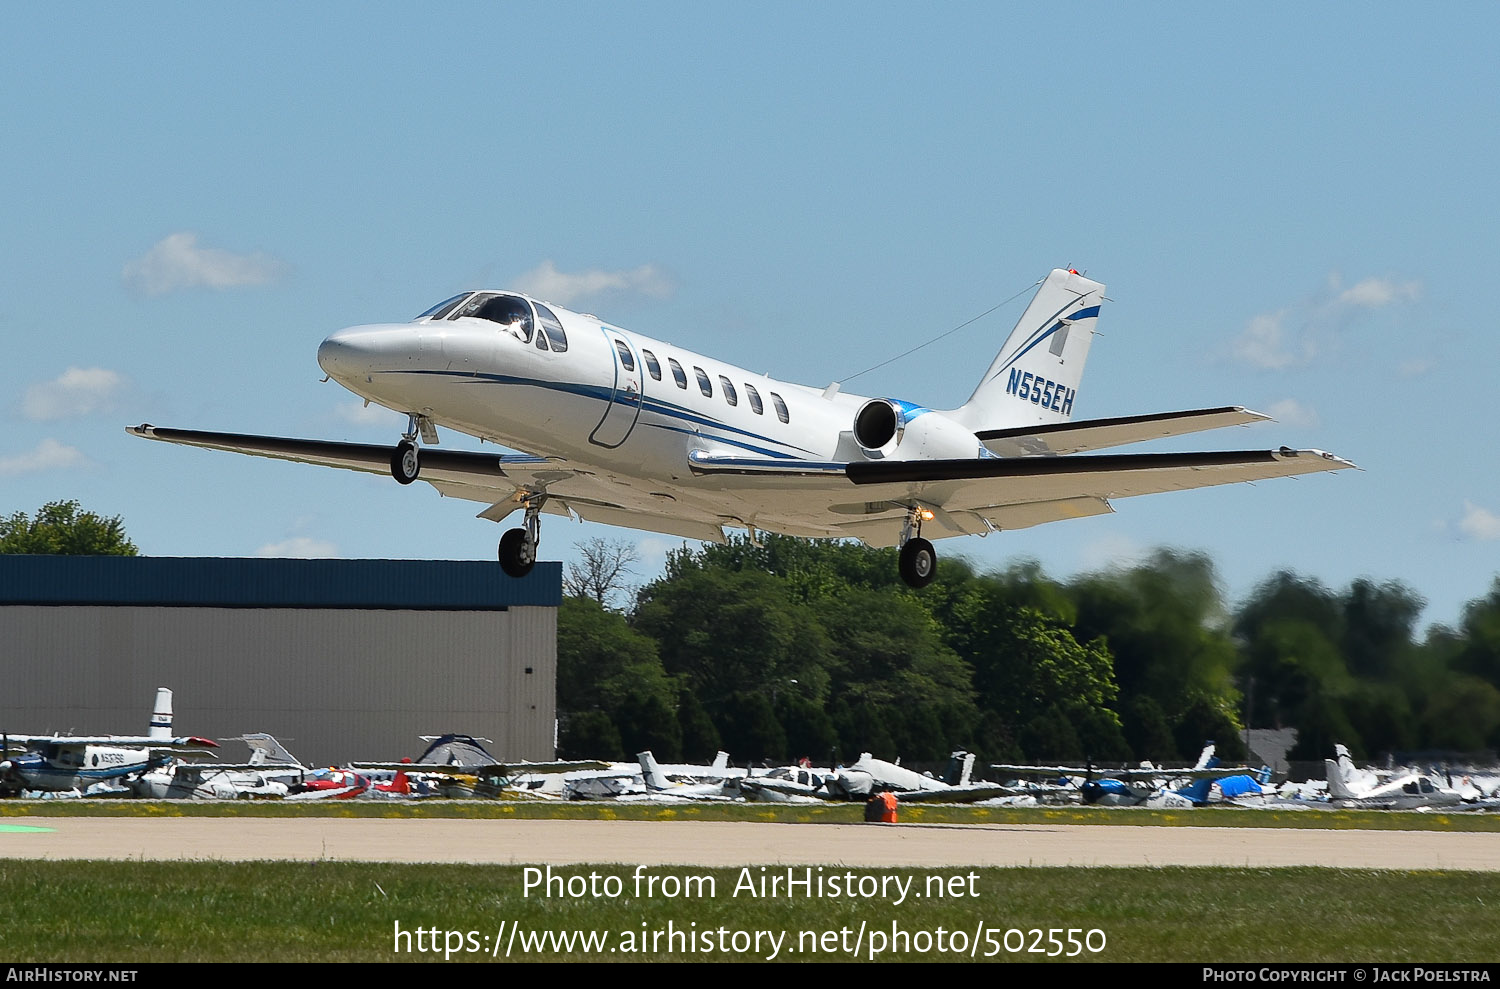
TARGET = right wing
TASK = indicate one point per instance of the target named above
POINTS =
(501, 481)
(1098, 434)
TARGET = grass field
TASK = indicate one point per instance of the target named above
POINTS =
(332, 911)
(131, 912)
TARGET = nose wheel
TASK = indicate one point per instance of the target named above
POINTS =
(518, 546)
(405, 465)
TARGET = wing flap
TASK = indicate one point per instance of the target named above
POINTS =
(1097, 434)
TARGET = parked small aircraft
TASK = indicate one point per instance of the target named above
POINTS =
(75, 762)
(869, 775)
(269, 773)
(625, 430)
(1146, 785)
(1351, 787)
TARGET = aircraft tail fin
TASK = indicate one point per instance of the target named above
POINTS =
(1337, 787)
(1034, 378)
(721, 761)
(264, 749)
(161, 715)
(651, 773)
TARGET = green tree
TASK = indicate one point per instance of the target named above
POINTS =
(609, 673)
(61, 529)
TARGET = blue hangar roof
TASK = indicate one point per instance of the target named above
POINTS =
(214, 582)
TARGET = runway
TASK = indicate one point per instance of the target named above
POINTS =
(739, 843)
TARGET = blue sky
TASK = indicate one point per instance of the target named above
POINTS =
(1293, 210)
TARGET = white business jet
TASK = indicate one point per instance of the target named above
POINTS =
(626, 430)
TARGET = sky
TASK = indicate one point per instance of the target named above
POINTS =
(1293, 208)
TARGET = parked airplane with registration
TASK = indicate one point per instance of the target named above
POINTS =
(58, 763)
(625, 430)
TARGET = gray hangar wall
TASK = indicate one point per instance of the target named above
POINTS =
(339, 659)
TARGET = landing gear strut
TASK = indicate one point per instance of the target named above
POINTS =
(918, 558)
(405, 464)
(518, 546)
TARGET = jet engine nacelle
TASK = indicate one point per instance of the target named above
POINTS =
(887, 428)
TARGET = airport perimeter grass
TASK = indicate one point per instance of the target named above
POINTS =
(335, 911)
(1369, 820)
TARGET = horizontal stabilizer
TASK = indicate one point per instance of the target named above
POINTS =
(1098, 434)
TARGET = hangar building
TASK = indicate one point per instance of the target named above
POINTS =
(341, 660)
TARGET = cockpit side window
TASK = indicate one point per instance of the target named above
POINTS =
(677, 373)
(443, 308)
(553, 327)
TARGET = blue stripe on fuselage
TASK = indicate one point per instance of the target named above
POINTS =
(649, 404)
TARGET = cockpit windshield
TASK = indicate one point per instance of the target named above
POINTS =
(441, 309)
(511, 312)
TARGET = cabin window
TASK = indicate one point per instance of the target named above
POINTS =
(781, 412)
(627, 359)
(704, 385)
(541, 341)
(728, 389)
(652, 364)
(754, 397)
(444, 308)
(677, 373)
(552, 326)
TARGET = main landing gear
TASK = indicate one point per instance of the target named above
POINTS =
(518, 546)
(918, 558)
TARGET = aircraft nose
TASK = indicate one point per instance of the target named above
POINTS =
(357, 350)
(340, 354)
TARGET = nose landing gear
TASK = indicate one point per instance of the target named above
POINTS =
(406, 465)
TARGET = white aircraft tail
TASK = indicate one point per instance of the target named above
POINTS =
(1034, 378)
(651, 773)
(265, 750)
(1339, 774)
(161, 715)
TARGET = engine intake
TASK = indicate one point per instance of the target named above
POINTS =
(879, 422)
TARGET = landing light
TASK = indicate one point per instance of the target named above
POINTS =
(926, 515)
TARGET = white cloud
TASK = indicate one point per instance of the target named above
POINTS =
(1373, 293)
(300, 548)
(78, 391)
(564, 288)
(178, 262)
(1479, 523)
(1298, 334)
(48, 455)
(1293, 413)
(1264, 344)
(1111, 552)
